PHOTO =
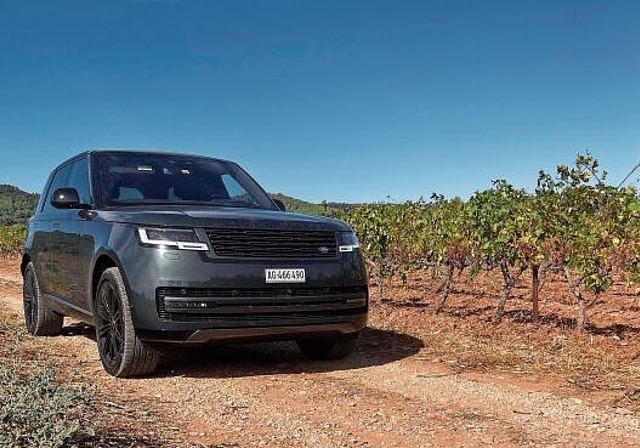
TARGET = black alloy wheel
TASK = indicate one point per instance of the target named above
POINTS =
(38, 318)
(29, 300)
(122, 353)
(109, 326)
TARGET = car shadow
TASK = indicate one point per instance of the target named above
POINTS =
(78, 329)
(375, 347)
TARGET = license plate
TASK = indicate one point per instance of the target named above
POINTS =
(285, 275)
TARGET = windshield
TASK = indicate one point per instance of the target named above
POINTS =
(145, 179)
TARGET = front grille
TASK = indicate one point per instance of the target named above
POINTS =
(259, 306)
(259, 243)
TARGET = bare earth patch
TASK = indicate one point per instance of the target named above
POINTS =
(416, 380)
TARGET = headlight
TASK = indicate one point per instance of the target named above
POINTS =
(172, 238)
(348, 242)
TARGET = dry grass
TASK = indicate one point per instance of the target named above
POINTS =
(7, 324)
(570, 356)
(571, 360)
(602, 364)
(42, 360)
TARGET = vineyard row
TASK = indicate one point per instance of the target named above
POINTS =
(575, 223)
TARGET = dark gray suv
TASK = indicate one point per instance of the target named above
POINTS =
(155, 249)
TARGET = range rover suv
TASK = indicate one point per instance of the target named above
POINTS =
(157, 249)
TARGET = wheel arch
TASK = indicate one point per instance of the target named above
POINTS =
(104, 260)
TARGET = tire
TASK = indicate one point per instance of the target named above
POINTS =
(122, 353)
(38, 318)
(328, 348)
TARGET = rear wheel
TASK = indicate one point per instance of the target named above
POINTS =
(328, 348)
(122, 353)
(38, 318)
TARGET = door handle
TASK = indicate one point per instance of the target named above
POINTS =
(87, 215)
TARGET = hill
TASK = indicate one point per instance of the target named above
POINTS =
(309, 208)
(16, 206)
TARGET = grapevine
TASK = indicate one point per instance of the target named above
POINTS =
(575, 223)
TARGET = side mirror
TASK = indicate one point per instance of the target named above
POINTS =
(65, 198)
(280, 204)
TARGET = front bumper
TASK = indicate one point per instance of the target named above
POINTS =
(277, 333)
(193, 297)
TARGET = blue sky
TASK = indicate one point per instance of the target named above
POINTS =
(337, 100)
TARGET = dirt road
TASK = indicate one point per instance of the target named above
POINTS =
(388, 394)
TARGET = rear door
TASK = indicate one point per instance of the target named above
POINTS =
(39, 230)
(47, 237)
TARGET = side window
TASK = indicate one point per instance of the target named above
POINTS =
(59, 181)
(236, 191)
(79, 179)
(43, 196)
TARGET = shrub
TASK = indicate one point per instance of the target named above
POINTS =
(37, 411)
(12, 239)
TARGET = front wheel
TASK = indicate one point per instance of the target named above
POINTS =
(122, 353)
(328, 347)
(38, 318)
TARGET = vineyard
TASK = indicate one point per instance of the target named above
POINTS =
(12, 239)
(576, 225)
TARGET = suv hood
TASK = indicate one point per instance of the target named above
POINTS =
(227, 217)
